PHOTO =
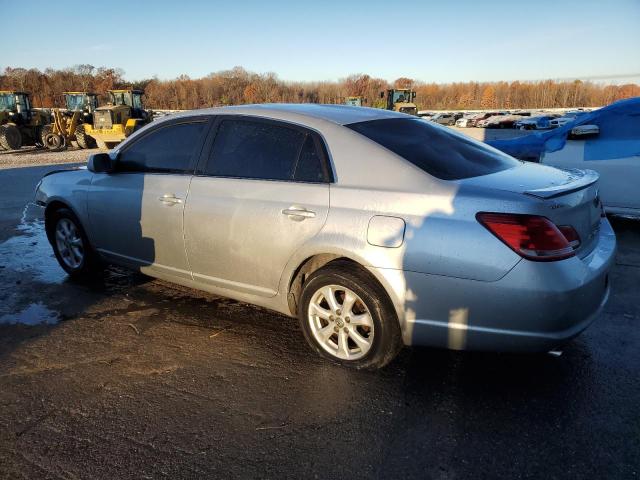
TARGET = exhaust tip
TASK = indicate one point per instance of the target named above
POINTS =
(555, 353)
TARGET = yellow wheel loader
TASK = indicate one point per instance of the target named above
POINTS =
(19, 123)
(68, 125)
(62, 131)
(400, 100)
(123, 115)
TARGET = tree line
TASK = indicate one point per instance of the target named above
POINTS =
(239, 86)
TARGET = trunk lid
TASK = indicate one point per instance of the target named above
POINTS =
(570, 197)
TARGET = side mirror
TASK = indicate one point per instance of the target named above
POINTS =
(584, 131)
(100, 163)
(413, 94)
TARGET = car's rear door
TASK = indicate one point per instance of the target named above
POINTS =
(260, 193)
(136, 212)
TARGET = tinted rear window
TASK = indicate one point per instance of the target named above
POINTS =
(439, 151)
(249, 149)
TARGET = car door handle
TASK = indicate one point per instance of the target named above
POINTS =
(297, 213)
(170, 199)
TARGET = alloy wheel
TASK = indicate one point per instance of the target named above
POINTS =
(340, 322)
(69, 243)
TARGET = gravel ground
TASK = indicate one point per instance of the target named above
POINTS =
(31, 156)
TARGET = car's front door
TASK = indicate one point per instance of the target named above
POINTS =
(136, 212)
(262, 193)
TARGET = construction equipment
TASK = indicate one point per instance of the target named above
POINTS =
(355, 101)
(123, 115)
(19, 123)
(68, 125)
(401, 100)
(85, 102)
(62, 131)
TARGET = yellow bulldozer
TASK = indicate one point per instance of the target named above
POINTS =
(400, 100)
(123, 115)
(19, 123)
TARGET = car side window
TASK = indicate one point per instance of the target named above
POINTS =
(164, 150)
(253, 149)
(309, 167)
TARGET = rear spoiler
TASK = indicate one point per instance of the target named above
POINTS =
(578, 179)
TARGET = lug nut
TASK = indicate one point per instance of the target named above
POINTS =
(346, 330)
(336, 329)
(331, 318)
(347, 319)
(339, 312)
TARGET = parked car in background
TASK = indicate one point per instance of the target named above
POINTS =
(483, 123)
(501, 121)
(568, 117)
(608, 142)
(430, 237)
(444, 118)
(475, 121)
(619, 177)
(605, 140)
(541, 122)
(465, 120)
(426, 115)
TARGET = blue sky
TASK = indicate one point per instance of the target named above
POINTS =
(440, 41)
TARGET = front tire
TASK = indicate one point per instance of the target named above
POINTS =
(10, 137)
(347, 317)
(55, 142)
(71, 245)
(84, 140)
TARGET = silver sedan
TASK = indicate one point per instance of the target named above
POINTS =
(376, 229)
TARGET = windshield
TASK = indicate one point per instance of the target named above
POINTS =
(7, 101)
(401, 96)
(437, 150)
(120, 98)
(75, 102)
(137, 100)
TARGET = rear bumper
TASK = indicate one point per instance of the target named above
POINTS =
(536, 307)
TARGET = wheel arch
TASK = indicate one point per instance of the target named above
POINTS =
(315, 262)
(53, 206)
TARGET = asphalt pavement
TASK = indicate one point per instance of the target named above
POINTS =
(129, 377)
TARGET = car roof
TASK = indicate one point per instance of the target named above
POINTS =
(338, 114)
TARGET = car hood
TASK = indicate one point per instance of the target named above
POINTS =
(70, 169)
(535, 180)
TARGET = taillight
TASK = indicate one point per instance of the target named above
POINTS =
(531, 236)
(571, 235)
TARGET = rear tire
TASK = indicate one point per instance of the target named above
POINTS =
(347, 317)
(71, 245)
(10, 137)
